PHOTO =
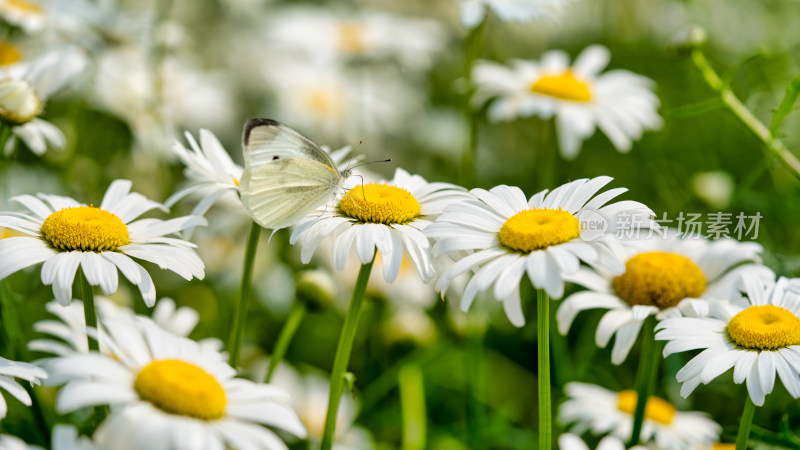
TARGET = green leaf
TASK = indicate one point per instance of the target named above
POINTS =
(792, 90)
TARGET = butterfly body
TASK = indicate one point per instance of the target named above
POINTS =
(286, 174)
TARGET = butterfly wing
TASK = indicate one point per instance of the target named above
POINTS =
(265, 141)
(286, 175)
(282, 192)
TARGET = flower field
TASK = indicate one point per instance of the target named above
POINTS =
(456, 224)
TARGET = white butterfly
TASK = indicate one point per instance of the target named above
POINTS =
(286, 175)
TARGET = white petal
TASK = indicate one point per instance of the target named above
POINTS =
(17, 253)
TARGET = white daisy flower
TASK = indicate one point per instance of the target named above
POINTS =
(168, 392)
(473, 12)
(340, 104)
(360, 35)
(65, 234)
(209, 168)
(14, 369)
(309, 398)
(596, 409)
(25, 87)
(757, 335)
(569, 441)
(620, 103)
(26, 14)
(70, 330)
(547, 237)
(388, 217)
(661, 275)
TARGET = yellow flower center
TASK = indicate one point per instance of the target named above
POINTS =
(9, 53)
(721, 446)
(766, 327)
(23, 6)
(178, 387)
(380, 203)
(659, 279)
(564, 86)
(351, 38)
(18, 101)
(535, 229)
(85, 228)
(657, 410)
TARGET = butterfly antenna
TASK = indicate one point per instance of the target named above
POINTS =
(371, 162)
(353, 155)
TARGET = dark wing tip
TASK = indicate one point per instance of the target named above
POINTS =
(253, 123)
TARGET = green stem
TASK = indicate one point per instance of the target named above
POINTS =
(545, 408)
(472, 50)
(343, 350)
(475, 369)
(646, 376)
(745, 424)
(89, 313)
(296, 316)
(744, 115)
(412, 403)
(11, 322)
(240, 314)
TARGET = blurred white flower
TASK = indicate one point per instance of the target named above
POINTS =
(24, 88)
(26, 14)
(715, 188)
(620, 103)
(309, 398)
(593, 408)
(156, 102)
(367, 35)
(473, 12)
(66, 437)
(9, 442)
(340, 105)
(22, 370)
(569, 441)
(68, 334)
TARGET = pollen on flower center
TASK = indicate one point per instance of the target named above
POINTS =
(766, 327)
(85, 228)
(659, 279)
(535, 229)
(380, 203)
(179, 387)
(9, 53)
(564, 86)
(657, 410)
